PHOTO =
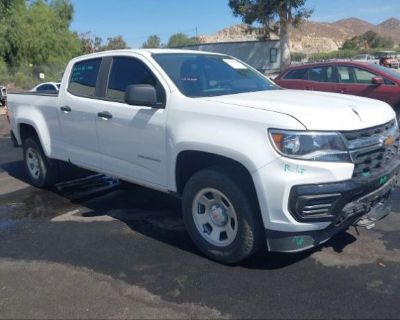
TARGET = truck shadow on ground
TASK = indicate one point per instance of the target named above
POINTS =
(150, 213)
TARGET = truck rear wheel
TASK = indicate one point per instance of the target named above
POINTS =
(221, 217)
(42, 171)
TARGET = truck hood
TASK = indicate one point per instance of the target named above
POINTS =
(316, 110)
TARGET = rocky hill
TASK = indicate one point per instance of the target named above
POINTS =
(312, 36)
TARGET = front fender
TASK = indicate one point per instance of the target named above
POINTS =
(250, 148)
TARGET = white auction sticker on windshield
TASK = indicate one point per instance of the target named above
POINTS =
(235, 64)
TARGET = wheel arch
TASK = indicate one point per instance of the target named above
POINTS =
(27, 128)
(188, 162)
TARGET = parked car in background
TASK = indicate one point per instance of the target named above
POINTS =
(3, 96)
(47, 86)
(388, 59)
(365, 58)
(347, 77)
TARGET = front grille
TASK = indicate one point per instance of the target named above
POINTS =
(373, 149)
(370, 132)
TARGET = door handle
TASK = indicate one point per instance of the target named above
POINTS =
(66, 109)
(105, 115)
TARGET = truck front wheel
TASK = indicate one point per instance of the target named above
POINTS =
(222, 218)
(42, 171)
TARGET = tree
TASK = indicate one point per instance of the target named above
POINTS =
(152, 42)
(273, 15)
(181, 40)
(91, 44)
(64, 9)
(35, 37)
(370, 39)
(114, 43)
(37, 33)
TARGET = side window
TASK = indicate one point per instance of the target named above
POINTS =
(389, 82)
(345, 75)
(363, 76)
(273, 55)
(128, 71)
(41, 88)
(45, 87)
(296, 74)
(84, 77)
(321, 74)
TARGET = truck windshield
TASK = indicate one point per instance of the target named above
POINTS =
(206, 75)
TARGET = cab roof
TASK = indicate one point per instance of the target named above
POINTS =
(144, 52)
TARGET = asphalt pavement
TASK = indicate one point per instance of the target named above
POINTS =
(96, 248)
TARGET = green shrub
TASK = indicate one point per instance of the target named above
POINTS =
(298, 56)
(4, 78)
(340, 54)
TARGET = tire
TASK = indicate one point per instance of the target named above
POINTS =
(222, 216)
(42, 171)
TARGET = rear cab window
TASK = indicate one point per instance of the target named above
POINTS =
(83, 78)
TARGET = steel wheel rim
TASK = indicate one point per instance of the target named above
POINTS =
(215, 217)
(33, 163)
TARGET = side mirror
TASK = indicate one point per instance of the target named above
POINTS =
(141, 95)
(378, 80)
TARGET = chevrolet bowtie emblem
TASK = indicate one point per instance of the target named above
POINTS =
(389, 141)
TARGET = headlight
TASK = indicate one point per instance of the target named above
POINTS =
(304, 145)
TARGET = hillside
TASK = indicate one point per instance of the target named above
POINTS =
(314, 36)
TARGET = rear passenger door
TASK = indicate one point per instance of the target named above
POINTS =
(132, 139)
(78, 112)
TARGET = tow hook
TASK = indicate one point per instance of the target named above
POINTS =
(378, 212)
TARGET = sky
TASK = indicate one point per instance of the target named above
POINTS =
(135, 20)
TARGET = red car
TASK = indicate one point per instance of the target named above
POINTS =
(347, 77)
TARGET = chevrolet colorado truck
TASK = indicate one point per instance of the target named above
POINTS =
(255, 166)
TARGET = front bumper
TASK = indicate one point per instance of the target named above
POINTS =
(355, 199)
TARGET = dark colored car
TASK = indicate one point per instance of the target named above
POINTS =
(347, 77)
(3, 96)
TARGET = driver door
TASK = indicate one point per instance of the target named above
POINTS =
(132, 139)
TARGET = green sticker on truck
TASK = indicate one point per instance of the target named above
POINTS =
(383, 180)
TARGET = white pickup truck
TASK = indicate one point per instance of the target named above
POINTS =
(255, 165)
